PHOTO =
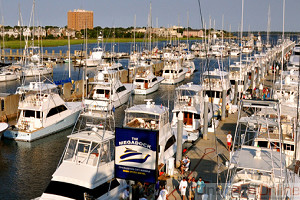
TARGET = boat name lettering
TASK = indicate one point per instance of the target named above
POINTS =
(128, 142)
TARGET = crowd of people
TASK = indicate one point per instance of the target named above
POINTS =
(191, 189)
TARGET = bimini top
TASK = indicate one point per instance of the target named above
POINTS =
(256, 158)
(149, 108)
(190, 86)
(37, 87)
(93, 135)
(216, 73)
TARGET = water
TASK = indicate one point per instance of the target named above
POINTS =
(26, 168)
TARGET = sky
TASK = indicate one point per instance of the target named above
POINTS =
(165, 13)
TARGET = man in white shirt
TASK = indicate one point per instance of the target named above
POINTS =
(163, 193)
(182, 187)
(229, 141)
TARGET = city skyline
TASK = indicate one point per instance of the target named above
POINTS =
(166, 13)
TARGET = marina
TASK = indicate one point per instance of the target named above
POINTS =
(134, 120)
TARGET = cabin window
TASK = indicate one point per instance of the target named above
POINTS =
(218, 95)
(71, 149)
(121, 89)
(105, 157)
(232, 82)
(2, 104)
(262, 144)
(38, 114)
(112, 147)
(139, 80)
(288, 147)
(170, 142)
(196, 116)
(180, 70)
(100, 91)
(56, 110)
(154, 79)
(29, 113)
(167, 71)
(228, 92)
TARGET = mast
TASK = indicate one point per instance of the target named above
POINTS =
(187, 38)
(69, 54)
(150, 25)
(134, 33)
(242, 24)
(283, 11)
(269, 25)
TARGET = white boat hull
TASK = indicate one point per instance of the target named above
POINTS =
(147, 91)
(10, 77)
(36, 72)
(53, 128)
(104, 105)
(173, 81)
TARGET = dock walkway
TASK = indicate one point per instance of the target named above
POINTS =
(203, 156)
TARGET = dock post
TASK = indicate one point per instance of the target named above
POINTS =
(223, 104)
(245, 81)
(205, 121)
(179, 139)
(252, 80)
(236, 92)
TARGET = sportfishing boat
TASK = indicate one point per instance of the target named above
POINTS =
(173, 72)
(36, 69)
(189, 101)
(258, 164)
(190, 65)
(146, 82)
(107, 92)
(9, 73)
(86, 169)
(95, 59)
(42, 112)
(155, 117)
(214, 82)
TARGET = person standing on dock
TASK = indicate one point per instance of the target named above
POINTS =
(182, 188)
(229, 140)
(200, 188)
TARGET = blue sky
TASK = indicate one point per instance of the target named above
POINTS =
(120, 13)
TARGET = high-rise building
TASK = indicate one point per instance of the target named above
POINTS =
(80, 19)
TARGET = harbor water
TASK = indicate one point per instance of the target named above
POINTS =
(26, 168)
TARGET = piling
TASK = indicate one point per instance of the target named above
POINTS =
(245, 81)
(179, 139)
(252, 80)
(223, 104)
(236, 92)
(205, 121)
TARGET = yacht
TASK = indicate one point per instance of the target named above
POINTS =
(173, 72)
(258, 167)
(190, 65)
(214, 82)
(95, 59)
(146, 82)
(9, 73)
(86, 169)
(189, 101)
(42, 112)
(107, 92)
(236, 74)
(156, 117)
(36, 69)
(235, 52)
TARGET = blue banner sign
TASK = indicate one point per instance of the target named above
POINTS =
(136, 154)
